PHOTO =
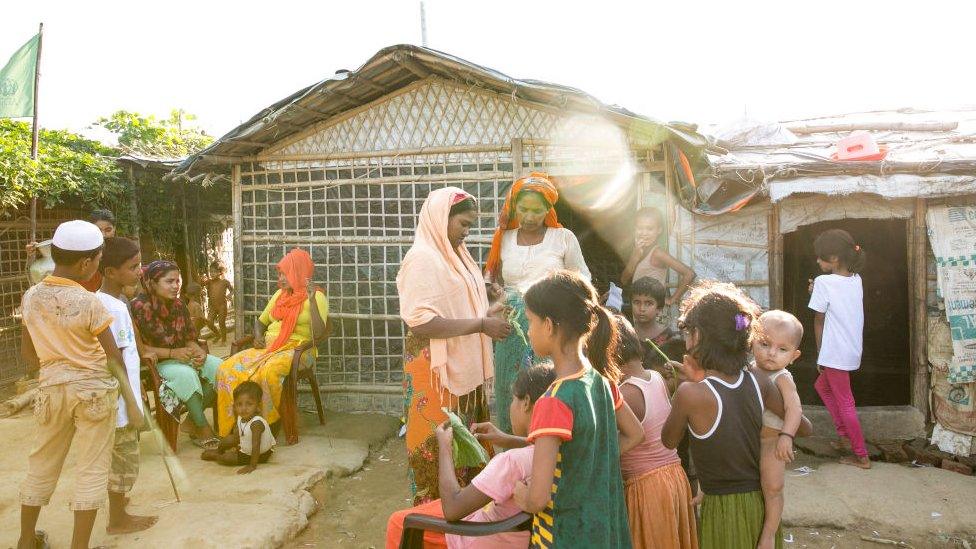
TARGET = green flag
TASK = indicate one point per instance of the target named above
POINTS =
(17, 81)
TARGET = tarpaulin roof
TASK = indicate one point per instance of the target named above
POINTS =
(390, 69)
(930, 153)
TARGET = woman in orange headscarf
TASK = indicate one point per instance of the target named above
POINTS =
(288, 321)
(529, 244)
(447, 354)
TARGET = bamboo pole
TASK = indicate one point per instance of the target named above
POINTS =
(235, 172)
(806, 129)
(349, 155)
(133, 203)
(349, 240)
(516, 158)
(776, 281)
(919, 324)
(35, 128)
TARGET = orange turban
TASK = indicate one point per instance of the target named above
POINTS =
(507, 220)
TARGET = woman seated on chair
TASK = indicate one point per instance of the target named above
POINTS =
(495, 483)
(163, 323)
(287, 323)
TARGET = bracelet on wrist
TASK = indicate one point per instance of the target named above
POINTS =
(782, 434)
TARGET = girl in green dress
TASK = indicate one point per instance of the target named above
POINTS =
(576, 491)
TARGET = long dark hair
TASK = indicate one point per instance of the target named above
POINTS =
(629, 347)
(840, 243)
(573, 305)
(533, 381)
(723, 315)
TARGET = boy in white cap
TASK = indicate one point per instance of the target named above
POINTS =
(81, 375)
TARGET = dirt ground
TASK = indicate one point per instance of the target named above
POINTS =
(353, 510)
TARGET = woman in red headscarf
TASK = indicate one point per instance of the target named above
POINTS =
(288, 321)
(529, 245)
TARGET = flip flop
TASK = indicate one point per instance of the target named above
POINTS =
(208, 444)
(40, 540)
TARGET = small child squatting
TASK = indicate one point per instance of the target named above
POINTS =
(251, 442)
(776, 347)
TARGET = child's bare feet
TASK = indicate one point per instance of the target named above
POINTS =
(128, 524)
(861, 462)
(841, 445)
(210, 455)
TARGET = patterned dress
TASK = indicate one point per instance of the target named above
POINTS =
(423, 402)
(587, 508)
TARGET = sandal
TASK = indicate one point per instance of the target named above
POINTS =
(208, 444)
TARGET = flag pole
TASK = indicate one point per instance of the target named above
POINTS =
(37, 80)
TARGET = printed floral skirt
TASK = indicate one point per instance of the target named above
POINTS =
(422, 404)
(267, 370)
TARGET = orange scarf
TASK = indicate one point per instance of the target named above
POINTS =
(507, 220)
(298, 268)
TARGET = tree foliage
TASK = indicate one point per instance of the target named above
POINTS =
(69, 166)
(173, 137)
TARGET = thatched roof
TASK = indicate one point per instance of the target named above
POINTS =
(393, 68)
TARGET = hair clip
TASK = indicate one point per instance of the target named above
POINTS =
(741, 322)
(857, 248)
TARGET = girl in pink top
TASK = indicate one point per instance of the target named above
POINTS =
(489, 496)
(656, 488)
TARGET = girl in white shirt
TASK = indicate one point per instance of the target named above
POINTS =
(838, 299)
(529, 245)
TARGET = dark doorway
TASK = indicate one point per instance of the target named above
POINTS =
(884, 375)
(602, 232)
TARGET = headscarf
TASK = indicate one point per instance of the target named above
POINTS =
(436, 280)
(298, 269)
(164, 323)
(508, 220)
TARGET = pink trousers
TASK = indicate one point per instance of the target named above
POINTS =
(834, 388)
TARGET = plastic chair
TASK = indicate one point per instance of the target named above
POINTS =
(288, 407)
(416, 524)
(168, 423)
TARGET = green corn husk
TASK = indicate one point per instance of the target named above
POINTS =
(468, 452)
(516, 326)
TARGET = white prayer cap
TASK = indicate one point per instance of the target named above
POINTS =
(78, 236)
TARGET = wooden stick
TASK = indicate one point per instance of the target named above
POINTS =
(805, 129)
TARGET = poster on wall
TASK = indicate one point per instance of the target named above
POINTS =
(960, 304)
(952, 235)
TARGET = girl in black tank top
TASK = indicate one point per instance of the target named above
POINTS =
(721, 410)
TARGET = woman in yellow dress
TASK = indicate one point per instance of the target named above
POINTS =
(288, 322)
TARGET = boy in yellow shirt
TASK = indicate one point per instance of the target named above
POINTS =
(81, 376)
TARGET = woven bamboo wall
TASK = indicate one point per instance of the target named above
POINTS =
(352, 200)
(14, 237)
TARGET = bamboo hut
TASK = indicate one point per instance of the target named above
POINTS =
(341, 169)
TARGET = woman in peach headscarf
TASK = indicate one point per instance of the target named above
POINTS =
(288, 321)
(447, 353)
(529, 245)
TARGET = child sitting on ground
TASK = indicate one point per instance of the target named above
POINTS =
(191, 295)
(251, 442)
(723, 414)
(775, 347)
(81, 376)
(649, 259)
(489, 496)
(121, 266)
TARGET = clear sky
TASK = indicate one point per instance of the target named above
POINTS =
(698, 61)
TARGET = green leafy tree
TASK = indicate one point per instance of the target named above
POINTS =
(69, 166)
(146, 135)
